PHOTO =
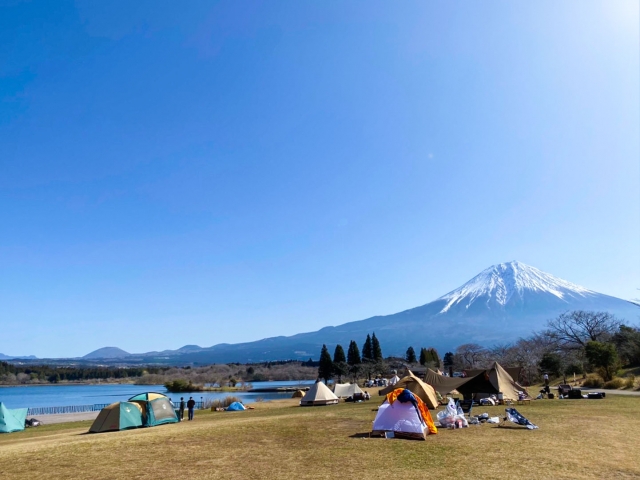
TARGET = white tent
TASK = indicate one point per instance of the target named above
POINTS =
(345, 390)
(318, 394)
(395, 379)
(402, 419)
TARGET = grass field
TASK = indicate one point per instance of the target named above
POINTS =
(576, 439)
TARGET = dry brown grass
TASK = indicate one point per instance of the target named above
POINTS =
(576, 439)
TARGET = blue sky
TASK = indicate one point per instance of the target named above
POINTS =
(235, 170)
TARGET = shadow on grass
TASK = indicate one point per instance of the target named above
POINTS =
(362, 435)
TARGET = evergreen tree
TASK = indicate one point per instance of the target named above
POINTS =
(448, 359)
(338, 354)
(353, 360)
(340, 369)
(340, 366)
(434, 357)
(423, 356)
(367, 350)
(325, 370)
(377, 351)
(550, 363)
(410, 357)
(604, 357)
(353, 354)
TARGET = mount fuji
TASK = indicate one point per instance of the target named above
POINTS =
(500, 304)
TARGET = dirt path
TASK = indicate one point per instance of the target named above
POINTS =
(65, 417)
(632, 393)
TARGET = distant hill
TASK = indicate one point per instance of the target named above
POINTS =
(107, 352)
(13, 357)
(189, 348)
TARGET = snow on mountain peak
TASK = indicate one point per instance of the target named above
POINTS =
(499, 283)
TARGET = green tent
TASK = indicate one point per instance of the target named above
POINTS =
(12, 420)
(157, 409)
(118, 416)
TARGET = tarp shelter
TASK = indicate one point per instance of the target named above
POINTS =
(494, 380)
(426, 392)
(442, 384)
(118, 416)
(345, 390)
(318, 394)
(157, 409)
(12, 420)
(298, 394)
(404, 414)
(236, 407)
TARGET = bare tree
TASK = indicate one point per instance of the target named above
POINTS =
(503, 353)
(527, 353)
(572, 330)
(471, 354)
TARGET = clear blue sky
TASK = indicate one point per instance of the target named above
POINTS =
(196, 173)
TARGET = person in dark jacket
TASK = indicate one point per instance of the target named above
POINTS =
(191, 405)
(181, 409)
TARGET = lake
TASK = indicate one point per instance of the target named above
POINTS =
(65, 395)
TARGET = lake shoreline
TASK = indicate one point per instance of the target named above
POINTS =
(76, 394)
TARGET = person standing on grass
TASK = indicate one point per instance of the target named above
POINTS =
(181, 410)
(546, 380)
(191, 404)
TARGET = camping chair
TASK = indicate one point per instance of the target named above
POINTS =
(466, 406)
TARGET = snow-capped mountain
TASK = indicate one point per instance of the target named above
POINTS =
(508, 284)
(500, 304)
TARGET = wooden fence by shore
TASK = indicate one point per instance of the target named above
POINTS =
(82, 408)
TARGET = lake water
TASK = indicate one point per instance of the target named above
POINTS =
(66, 395)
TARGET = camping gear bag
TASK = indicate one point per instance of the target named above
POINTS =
(575, 393)
(595, 395)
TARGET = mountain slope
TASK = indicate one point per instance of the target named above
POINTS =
(500, 304)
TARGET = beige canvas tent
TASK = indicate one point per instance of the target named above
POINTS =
(345, 390)
(298, 394)
(495, 380)
(504, 383)
(417, 386)
(513, 371)
(318, 394)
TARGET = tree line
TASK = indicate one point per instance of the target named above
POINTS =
(574, 343)
(370, 363)
(11, 374)
(428, 357)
